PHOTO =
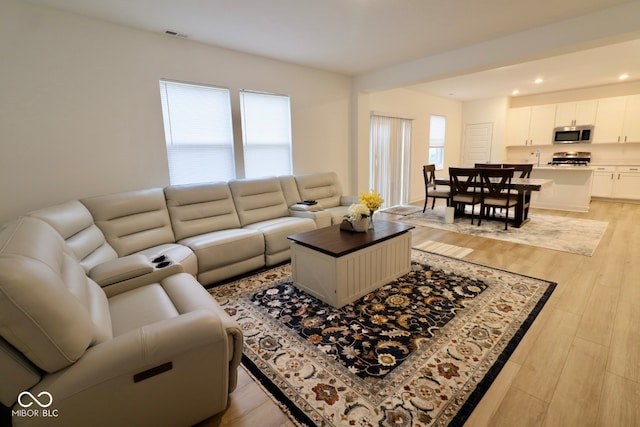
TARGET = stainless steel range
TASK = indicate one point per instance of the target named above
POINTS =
(571, 158)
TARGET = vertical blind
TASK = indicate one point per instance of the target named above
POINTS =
(198, 132)
(390, 149)
(266, 134)
(437, 127)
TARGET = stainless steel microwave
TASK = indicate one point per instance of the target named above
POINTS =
(572, 134)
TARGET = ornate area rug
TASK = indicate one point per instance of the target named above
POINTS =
(419, 351)
(574, 235)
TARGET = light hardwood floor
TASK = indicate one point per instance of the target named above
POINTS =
(579, 363)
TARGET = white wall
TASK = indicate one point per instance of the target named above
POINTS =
(418, 106)
(80, 105)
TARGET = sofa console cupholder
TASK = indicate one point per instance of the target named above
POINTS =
(157, 260)
(163, 264)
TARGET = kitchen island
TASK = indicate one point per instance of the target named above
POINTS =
(570, 191)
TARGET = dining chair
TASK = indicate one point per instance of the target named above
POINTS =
(524, 168)
(495, 192)
(430, 189)
(463, 188)
(525, 172)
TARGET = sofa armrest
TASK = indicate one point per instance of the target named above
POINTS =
(120, 269)
(321, 217)
(132, 271)
(147, 369)
(349, 200)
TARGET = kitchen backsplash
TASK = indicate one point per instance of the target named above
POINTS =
(614, 154)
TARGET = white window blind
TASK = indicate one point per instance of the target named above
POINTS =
(389, 155)
(198, 132)
(266, 134)
(437, 128)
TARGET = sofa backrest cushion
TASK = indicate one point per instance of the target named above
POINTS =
(132, 221)
(322, 187)
(290, 189)
(200, 208)
(258, 200)
(75, 224)
(49, 310)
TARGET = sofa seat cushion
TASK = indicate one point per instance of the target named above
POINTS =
(275, 233)
(139, 307)
(220, 248)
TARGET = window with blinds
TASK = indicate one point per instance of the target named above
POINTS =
(198, 132)
(437, 128)
(266, 134)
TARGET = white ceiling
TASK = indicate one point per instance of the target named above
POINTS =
(356, 37)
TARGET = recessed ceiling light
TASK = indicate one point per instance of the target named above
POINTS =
(538, 80)
(624, 76)
(515, 92)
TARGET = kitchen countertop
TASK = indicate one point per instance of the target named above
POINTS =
(636, 163)
(564, 168)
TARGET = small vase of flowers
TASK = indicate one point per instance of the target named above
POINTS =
(372, 201)
(358, 215)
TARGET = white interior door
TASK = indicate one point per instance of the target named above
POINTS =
(477, 144)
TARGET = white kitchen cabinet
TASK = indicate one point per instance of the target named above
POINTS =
(618, 120)
(627, 182)
(631, 124)
(617, 182)
(518, 126)
(576, 113)
(570, 189)
(531, 125)
(602, 185)
(609, 119)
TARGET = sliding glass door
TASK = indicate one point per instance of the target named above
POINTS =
(389, 154)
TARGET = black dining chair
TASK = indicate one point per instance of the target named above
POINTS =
(524, 168)
(525, 172)
(463, 188)
(430, 189)
(495, 192)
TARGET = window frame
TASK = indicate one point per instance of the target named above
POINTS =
(201, 156)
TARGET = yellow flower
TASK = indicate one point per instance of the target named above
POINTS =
(372, 200)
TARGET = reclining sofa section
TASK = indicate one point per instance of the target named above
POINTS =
(160, 353)
(100, 307)
(213, 231)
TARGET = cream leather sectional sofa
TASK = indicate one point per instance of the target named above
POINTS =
(102, 304)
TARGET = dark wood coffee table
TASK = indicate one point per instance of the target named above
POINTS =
(339, 266)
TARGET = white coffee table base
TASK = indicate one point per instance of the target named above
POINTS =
(341, 280)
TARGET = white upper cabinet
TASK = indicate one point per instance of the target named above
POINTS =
(631, 124)
(531, 125)
(518, 126)
(576, 113)
(618, 120)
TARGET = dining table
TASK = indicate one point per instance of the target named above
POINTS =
(523, 188)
